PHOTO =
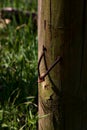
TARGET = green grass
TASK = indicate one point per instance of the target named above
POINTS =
(18, 55)
(18, 71)
(30, 5)
(18, 117)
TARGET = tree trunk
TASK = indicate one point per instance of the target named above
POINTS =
(50, 33)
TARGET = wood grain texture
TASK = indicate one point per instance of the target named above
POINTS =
(63, 30)
(74, 67)
(50, 32)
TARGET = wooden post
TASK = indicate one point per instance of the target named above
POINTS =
(62, 29)
(50, 35)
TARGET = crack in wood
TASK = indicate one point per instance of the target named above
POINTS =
(44, 24)
(83, 39)
(50, 21)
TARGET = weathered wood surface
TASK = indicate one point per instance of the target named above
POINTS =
(62, 30)
(74, 67)
(50, 31)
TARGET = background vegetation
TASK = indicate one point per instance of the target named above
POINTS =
(18, 70)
